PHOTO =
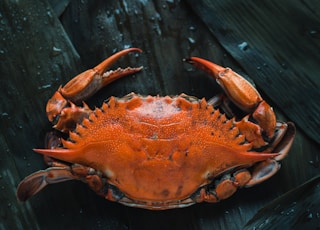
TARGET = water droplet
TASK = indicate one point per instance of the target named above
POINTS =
(316, 162)
(314, 33)
(191, 40)
(192, 28)
(49, 14)
(243, 46)
(291, 211)
(56, 51)
(157, 29)
(152, 19)
(190, 69)
(310, 216)
(44, 86)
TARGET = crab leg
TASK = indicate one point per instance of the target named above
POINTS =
(61, 106)
(246, 97)
(35, 182)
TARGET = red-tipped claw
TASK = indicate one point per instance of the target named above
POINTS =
(238, 89)
(82, 87)
(242, 94)
(89, 82)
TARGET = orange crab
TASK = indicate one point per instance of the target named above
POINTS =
(158, 152)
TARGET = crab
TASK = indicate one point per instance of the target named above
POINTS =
(161, 152)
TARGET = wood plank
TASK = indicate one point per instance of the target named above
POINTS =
(277, 44)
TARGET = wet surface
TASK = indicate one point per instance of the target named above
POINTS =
(40, 51)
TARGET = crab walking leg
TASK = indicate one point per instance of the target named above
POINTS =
(224, 188)
(282, 144)
(245, 96)
(58, 172)
(35, 182)
(61, 106)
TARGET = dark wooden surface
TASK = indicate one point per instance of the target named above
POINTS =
(41, 48)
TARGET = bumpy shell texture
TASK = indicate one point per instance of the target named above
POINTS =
(157, 148)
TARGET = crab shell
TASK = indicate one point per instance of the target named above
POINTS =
(158, 149)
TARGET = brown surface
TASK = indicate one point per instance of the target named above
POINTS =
(36, 56)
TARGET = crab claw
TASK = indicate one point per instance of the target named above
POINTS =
(238, 89)
(241, 93)
(87, 83)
